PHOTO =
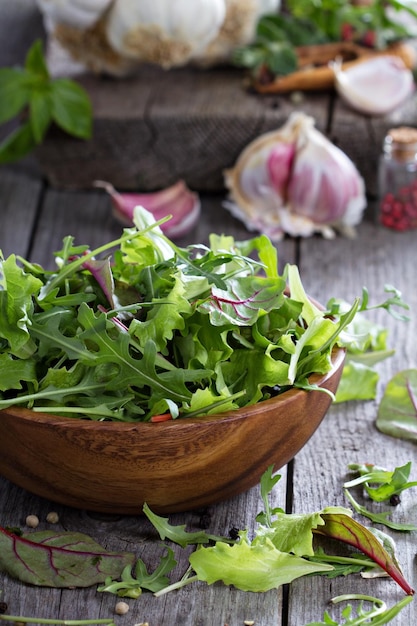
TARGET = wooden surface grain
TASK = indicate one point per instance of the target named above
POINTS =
(33, 220)
(41, 217)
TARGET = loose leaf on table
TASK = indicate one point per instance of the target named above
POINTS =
(251, 567)
(377, 615)
(397, 411)
(378, 518)
(345, 528)
(177, 534)
(358, 382)
(55, 559)
(131, 586)
(381, 484)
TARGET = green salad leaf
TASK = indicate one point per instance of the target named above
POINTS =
(376, 614)
(397, 411)
(366, 345)
(282, 548)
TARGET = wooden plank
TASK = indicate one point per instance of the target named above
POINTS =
(19, 200)
(348, 434)
(158, 126)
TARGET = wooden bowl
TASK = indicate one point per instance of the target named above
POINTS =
(181, 465)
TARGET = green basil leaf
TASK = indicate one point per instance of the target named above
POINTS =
(35, 61)
(17, 145)
(71, 108)
(40, 114)
(15, 91)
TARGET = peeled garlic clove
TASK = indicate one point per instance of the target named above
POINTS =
(375, 86)
(295, 181)
(162, 31)
(177, 200)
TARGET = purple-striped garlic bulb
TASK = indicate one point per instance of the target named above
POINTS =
(295, 181)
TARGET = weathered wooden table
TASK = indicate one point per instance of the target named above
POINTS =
(34, 217)
(33, 221)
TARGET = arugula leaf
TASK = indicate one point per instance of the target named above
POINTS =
(131, 586)
(343, 565)
(268, 482)
(378, 518)
(178, 534)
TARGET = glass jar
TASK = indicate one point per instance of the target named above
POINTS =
(397, 179)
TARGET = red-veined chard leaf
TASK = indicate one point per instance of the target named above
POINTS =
(244, 300)
(345, 528)
(397, 411)
(55, 559)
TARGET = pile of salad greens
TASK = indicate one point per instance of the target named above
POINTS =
(140, 328)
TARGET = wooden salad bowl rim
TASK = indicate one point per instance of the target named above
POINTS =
(176, 465)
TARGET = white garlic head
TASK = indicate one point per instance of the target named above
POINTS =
(295, 181)
(161, 31)
(115, 36)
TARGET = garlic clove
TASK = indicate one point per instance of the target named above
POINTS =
(375, 86)
(325, 185)
(178, 200)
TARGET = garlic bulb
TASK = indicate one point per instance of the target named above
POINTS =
(375, 86)
(115, 36)
(295, 181)
(162, 31)
(76, 38)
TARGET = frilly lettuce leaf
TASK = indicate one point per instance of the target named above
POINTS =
(251, 567)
